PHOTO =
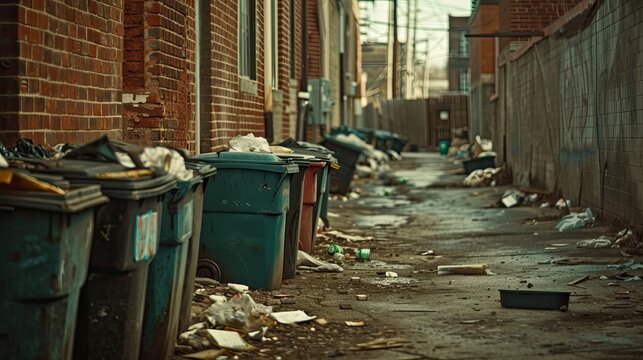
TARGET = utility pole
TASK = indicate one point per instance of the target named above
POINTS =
(390, 85)
(410, 48)
(425, 82)
(396, 49)
(414, 74)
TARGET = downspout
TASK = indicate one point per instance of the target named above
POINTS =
(343, 110)
(303, 85)
(267, 69)
(197, 77)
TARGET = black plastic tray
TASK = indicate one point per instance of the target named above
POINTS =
(535, 299)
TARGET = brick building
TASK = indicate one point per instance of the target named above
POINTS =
(187, 73)
(482, 66)
(458, 62)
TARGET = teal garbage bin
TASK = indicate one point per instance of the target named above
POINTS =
(443, 146)
(45, 245)
(347, 154)
(166, 275)
(244, 218)
(124, 241)
(206, 172)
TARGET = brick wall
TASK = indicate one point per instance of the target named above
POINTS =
(313, 57)
(335, 73)
(61, 70)
(282, 122)
(572, 110)
(226, 110)
(530, 15)
(158, 72)
(482, 65)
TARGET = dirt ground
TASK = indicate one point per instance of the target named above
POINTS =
(456, 316)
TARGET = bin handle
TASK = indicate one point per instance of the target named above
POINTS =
(281, 181)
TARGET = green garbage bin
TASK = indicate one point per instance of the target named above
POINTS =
(124, 241)
(45, 245)
(443, 146)
(347, 154)
(244, 216)
(166, 275)
(206, 172)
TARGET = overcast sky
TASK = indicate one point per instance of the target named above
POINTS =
(432, 22)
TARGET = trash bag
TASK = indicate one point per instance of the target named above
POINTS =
(240, 312)
(576, 220)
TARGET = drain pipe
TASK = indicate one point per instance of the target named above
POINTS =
(342, 62)
(302, 118)
(197, 77)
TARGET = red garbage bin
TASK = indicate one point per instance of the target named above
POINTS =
(306, 234)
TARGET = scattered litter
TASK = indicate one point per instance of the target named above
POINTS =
(361, 297)
(559, 245)
(470, 321)
(480, 269)
(428, 252)
(238, 288)
(334, 248)
(355, 323)
(576, 220)
(339, 258)
(227, 339)
(603, 277)
(390, 274)
(562, 203)
(588, 261)
(625, 238)
(601, 242)
(321, 321)
(198, 326)
(512, 198)
(363, 254)
(259, 334)
(544, 205)
(345, 306)
(550, 248)
(578, 281)
(217, 299)
(240, 312)
(291, 317)
(355, 278)
(337, 235)
(629, 265)
(633, 278)
(205, 354)
(381, 343)
(479, 177)
(307, 262)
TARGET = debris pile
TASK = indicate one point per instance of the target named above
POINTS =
(227, 318)
(480, 178)
(576, 220)
(373, 163)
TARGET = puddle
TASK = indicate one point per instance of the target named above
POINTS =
(377, 264)
(389, 281)
(383, 202)
(381, 220)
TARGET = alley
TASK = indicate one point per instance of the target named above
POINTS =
(457, 316)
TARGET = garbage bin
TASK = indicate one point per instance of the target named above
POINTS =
(443, 146)
(166, 275)
(206, 172)
(124, 241)
(399, 143)
(347, 154)
(43, 264)
(383, 140)
(244, 215)
(293, 215)
(307, 234)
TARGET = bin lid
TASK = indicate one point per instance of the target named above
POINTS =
(346, 144)
(76, 199)
(88, 172)
(249, 160)
(204, 169)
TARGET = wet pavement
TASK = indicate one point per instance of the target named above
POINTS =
(458, 316)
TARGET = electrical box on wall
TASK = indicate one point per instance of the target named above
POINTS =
(320, 100)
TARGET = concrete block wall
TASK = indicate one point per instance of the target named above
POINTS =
(60, 79)
(572, 110)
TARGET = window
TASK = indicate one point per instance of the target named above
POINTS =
(247, 39)
(464, 45)
(273, 43)
(464, 81)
